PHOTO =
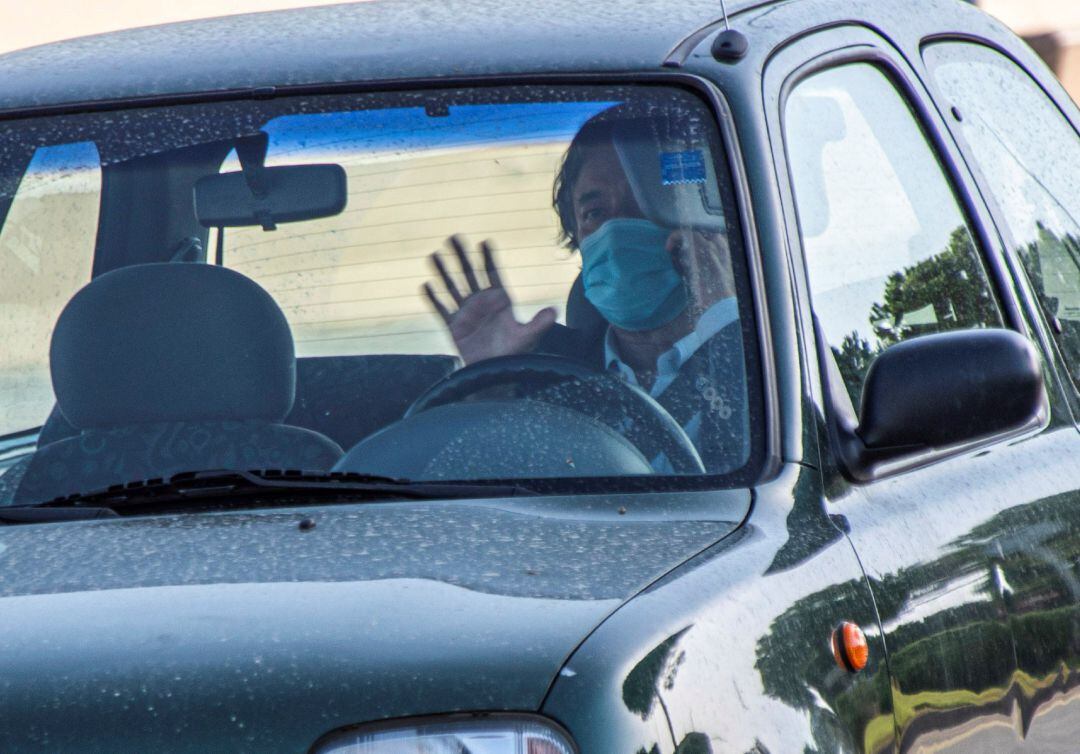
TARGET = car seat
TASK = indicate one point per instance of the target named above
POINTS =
(334, 395)
(348, 398)
(165, 368)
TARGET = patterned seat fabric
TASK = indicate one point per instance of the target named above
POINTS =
(98, 458)
(10, 479)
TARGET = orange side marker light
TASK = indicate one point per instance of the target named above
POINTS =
(849, 647)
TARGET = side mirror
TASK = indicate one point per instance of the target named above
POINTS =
(936, 392)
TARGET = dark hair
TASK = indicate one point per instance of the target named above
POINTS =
(596, 130)
(649, 119)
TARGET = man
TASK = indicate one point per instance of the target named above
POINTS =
(667, 297)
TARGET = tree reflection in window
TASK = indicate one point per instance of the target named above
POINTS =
(889, 252)
(1052, 263)
(943, 292)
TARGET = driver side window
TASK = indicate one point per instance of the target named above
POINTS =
(889, 254)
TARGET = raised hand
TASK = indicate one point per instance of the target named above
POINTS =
(704, 261)
(482, 323)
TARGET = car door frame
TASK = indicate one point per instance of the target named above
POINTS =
(789, 65)
(1028, 63)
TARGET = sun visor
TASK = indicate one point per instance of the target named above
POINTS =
(672, 174)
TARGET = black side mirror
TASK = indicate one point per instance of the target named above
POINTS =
(934, 393)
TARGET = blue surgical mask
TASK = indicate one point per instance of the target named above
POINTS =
(629, 277)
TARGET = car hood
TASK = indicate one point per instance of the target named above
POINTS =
(245, 631)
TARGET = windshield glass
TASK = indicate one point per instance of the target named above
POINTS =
(488, 284)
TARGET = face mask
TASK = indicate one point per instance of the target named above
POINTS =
(629, 277)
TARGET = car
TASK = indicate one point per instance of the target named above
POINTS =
(560, 378)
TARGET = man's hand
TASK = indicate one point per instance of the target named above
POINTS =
(704, 261)
(483, 325)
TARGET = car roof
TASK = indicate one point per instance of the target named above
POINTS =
(378, 40)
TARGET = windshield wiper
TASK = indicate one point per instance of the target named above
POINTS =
(228, 489)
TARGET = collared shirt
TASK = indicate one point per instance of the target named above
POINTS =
(713, 320)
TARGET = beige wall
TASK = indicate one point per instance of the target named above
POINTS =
(1034, 16)
(46, 248)
(1061, 51)
(1051, 27)
(350, 284)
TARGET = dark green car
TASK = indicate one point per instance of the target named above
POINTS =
(568, 378)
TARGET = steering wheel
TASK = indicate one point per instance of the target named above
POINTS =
(604, 397)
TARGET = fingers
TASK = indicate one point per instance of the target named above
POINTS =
(436, 304)
(674, 241)
(471, 280)
(539, 324)
(490, 268)
(677, 247)
(703, 260)
(451, 287)
(466, 265)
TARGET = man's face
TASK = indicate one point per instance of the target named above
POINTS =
(601, 191)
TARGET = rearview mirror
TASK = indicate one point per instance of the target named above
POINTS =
(280, 195)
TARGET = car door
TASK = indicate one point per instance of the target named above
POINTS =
(1025, 154)
(891, 242)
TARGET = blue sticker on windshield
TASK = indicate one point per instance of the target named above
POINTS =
(682, 167)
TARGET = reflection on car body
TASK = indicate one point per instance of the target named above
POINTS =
(565, 405)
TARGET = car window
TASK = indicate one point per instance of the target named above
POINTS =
(888, 251)
(271, 295)
(348, 283)
(46, 251)
(1029, 157)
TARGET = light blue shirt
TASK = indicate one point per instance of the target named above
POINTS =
(713, 320)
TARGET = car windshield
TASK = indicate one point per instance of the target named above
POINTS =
(483, 284)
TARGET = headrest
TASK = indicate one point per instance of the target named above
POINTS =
(172, 342)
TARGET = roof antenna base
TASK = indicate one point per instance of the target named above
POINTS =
(729, 46)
